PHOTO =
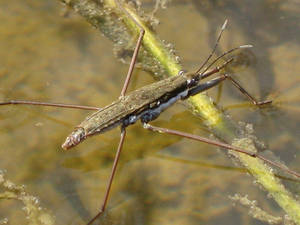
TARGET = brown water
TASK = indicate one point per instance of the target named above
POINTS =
(161, 179)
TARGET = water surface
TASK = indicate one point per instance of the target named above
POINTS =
(50, 54)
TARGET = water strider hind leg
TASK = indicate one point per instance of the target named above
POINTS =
(60, 105)
(220, 144)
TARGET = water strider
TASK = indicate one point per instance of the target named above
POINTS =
(146, 104)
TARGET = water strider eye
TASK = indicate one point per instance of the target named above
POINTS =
(190, 79)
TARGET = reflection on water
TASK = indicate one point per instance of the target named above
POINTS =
(161, 179)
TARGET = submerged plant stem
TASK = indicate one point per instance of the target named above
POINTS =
(155, 57)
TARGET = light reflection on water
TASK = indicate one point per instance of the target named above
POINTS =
(161, 179)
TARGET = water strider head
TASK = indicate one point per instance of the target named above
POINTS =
(74, 138)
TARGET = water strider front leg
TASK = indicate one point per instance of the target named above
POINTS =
(244, 92)
(222, 145)
(205, 86)
(211, 83)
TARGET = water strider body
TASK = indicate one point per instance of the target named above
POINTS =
(145, 104)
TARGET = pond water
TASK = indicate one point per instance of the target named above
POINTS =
(49, 53)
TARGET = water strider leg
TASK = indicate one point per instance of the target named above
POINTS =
(205, 86)
(220, 144)
(125, 86)
(23, 102)
(136, 50)
(244, 92)
(213, 82)
(123, 129)
(113, 171)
